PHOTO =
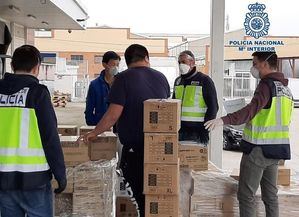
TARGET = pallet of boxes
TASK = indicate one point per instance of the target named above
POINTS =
(91, 174)
(161, 162)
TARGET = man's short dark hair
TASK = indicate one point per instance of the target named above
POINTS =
(110, 55)
(135, 53)
(270, 57)
(187, 52)
(25, 58)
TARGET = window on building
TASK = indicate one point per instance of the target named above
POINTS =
(78, 58)
(98, 59)
(287, 68)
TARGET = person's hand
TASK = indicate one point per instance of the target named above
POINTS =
(61, 186)
(88, 137)
(210, 125)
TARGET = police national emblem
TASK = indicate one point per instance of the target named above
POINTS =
(256, 21)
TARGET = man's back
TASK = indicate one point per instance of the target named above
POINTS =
(130, 89)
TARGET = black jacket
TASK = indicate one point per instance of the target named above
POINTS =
(39, 99)
(210, 98)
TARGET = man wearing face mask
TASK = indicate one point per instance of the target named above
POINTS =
(199, 100)
(265, 136)
(97, 96)
(129, 90)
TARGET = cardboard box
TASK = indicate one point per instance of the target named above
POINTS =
(70, 181)
(85, 129)
(63, 204)
(74, 153)
(161, 179)
(284, 175)
(161, 206)
(162, 115)
(90, 204)
(125, 207)
(235, 174)
(104, 147)
(222, 205)
(68, 130)
(161, 148)
(193, 156)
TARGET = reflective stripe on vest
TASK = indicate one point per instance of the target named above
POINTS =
(23, 151)
(271, 126)
(193, 105)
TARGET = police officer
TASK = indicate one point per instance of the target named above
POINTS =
(199, 99)
(30, 150)
(265, 136)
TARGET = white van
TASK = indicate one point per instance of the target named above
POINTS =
(294, 86)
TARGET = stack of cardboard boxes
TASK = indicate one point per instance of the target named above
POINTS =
(161, 162)
(91, 183)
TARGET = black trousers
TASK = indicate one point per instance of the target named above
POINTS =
(133, 168)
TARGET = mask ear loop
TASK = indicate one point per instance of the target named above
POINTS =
(269, 57)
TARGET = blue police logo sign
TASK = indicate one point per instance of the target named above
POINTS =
(257, 21)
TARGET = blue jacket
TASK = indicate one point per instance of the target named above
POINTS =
(97, 100)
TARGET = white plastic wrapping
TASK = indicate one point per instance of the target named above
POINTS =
(215, 195)
(94, 191)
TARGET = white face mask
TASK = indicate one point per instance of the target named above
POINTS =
(184, 68)
(114, 71)
(254, 72)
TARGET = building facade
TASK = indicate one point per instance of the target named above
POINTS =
(88, 46)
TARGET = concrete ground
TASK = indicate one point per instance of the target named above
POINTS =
(73, 114)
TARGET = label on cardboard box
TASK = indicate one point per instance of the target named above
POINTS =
(161, 179)
(74, 153)
(161, 148)
(162, 115)
(67, 130)
(193, 156)
(161, 206)
(104, 147)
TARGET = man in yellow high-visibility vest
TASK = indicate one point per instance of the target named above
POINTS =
(265, 136)
(199, 99)
(30, 150)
